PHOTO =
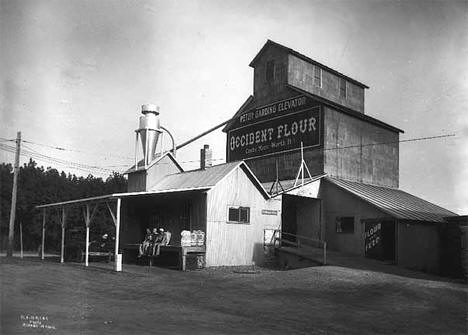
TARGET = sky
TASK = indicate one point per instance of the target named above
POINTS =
(74, 74)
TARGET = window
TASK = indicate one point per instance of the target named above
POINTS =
(345, 224)
(270, 70)
(239, 214)
(317, 76)
(342, 88)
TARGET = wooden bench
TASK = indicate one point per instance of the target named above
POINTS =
(106, 254)
(182, 252)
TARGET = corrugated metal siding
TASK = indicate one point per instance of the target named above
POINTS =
(195, 179)
(397, 203)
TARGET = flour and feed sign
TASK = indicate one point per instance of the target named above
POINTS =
(275, 128)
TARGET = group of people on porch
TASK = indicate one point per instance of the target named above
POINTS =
(153, 241)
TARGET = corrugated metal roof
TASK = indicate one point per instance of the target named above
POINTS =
(395, 202)
(206, 178)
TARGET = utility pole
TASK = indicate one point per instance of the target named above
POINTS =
(11, 232)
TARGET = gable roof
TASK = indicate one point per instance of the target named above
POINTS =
(141, 166)
(270, 43)
(346, 110)
(394, 202)
(204, 179)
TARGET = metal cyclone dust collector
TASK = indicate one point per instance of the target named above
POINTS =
(149, 132)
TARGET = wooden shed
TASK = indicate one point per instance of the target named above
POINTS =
(225, 201)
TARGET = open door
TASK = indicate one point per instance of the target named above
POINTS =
(288, 218)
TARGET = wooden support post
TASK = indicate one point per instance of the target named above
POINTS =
(11, 230)
(116, 219)
(87, 219)
(183, 260)
(21, 239)
(324, 253)
(117, 236)
(302, 163)
(62, 247)
(43, 232)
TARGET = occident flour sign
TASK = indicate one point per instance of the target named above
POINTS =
(275, 128)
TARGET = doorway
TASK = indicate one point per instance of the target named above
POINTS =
(301, 216)
(379, 240)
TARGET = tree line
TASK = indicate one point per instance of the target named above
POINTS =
(38, 186)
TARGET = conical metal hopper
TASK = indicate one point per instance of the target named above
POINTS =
(149, 131)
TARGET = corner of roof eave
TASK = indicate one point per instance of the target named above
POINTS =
(259, 184)
(319, 177)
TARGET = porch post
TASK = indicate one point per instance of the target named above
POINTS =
(43, 232)
(117, 235)
(87, 235)
(62, 249)
(324, 253)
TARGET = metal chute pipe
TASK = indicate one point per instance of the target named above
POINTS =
(201, 135)
(172, 139)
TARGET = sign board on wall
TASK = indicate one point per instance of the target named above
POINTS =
(373, 239)
(275, 128)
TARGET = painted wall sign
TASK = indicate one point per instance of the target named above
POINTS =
(271, 110)
(275, 135)
(269, 212)
(373, 239)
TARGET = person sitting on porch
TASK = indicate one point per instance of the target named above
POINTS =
(103, 243)
(163, 238)
(147, 243)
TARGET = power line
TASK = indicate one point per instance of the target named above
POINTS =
(74, 150)
(101, 170)
(74, 165)
(391, 142)
(48, 159)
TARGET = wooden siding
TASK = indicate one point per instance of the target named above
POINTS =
(144, 180)
(308, 217)
(361, 161)
(338, 203)
(136, 181)
(267, 91)
(301, 75)
(288, 164)
(418, 246)
(159, 170)
(231, 243)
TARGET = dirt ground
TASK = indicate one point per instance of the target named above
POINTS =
(52, 298)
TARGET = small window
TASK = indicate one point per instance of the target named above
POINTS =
(345, 224)
(239, 214)
(317, 76)
(342, 88)
(270, 70)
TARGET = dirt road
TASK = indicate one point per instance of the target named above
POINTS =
(69, 299)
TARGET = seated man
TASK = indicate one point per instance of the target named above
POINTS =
(163, 238)
(147, 243)
(103, 247)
